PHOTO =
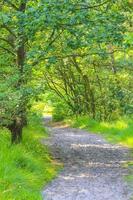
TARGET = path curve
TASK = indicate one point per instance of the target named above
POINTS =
(93, 168)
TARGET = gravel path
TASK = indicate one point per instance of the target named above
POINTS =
(92, 167)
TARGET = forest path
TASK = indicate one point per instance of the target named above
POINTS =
(93, 168)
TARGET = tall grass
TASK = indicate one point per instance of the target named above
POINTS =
(27, 167)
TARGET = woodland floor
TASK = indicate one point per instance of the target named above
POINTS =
(93, 168)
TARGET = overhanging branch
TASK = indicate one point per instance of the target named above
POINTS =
(7, 41)
(58, 57)
(7, 50)
(50, 43)
(4, 26)
(11, 4)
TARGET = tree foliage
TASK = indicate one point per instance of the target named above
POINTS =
(80, 49)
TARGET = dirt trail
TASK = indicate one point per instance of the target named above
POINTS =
(93, 168)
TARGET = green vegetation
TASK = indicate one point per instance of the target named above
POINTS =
(70, 48)
(25, 168)
(119, 131)
(74, 56)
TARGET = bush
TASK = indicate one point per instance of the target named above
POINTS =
(60, 111)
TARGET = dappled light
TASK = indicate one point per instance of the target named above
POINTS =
(104, 146)
(119, 125)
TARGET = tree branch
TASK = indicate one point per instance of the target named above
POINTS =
(82, 55)
(7, 50)
(50, 43)
(11, 4)
(7, 41)
(8, 29)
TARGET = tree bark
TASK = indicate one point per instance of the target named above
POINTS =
(89, 93)
(20, 120)
(16, 131)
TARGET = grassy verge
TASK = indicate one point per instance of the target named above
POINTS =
(27, 167)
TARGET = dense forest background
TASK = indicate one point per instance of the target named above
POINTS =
(79, 50)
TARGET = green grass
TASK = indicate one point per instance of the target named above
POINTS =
(27, 167)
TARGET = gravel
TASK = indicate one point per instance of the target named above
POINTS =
(93, 168)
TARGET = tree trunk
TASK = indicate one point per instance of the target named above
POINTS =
(20, 119)
(89, 93)
(16, 131)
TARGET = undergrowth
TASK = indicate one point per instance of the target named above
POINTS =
(25, 168)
